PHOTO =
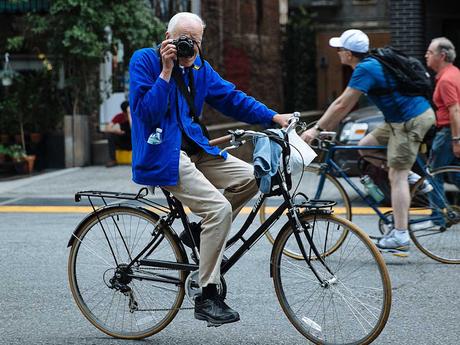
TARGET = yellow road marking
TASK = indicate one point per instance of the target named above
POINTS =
(245, 210)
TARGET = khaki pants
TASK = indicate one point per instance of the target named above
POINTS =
(404, 139)
(200, 177)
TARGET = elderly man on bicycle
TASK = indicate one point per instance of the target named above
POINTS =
(168, 87)
(407, 119)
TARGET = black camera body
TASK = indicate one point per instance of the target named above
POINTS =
(184, 46)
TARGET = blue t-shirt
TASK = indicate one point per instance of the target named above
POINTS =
(368, 75)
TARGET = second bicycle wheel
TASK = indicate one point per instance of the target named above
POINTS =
(351, 305)
(437, 234)
(128, 303)
(332, 190)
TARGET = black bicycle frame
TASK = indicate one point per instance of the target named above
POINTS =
(177, 211)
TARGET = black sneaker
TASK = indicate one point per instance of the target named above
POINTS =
(215, 311)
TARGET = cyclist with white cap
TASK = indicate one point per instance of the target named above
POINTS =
(407, 119)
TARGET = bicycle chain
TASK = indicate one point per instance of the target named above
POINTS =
(164, 309)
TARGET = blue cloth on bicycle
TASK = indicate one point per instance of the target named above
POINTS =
(368, 75)
(266, 159)
(156, 103)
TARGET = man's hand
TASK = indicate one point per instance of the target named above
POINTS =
(282, 119)
(456, 148)
(309, 135)
(168, 54)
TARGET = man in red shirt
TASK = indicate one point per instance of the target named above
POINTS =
(446, 145)
(119, 130)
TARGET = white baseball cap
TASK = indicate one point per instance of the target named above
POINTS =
(354, 40)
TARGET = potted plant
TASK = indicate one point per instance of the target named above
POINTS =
(79, 36)
(23, 163)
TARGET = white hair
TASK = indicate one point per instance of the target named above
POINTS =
(187, 16)
(444, 45)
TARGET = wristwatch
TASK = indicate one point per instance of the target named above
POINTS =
(318, 128)
(456, 139)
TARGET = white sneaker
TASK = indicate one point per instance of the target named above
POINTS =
(426, 225)
(413, 178)
(391, 243)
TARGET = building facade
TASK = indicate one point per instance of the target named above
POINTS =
(408, 25)
(242, 42)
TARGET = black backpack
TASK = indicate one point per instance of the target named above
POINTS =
(412, 78)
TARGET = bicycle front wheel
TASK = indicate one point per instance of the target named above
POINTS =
(331, 190)
(349, 303)
(437, 212)
(128, 303)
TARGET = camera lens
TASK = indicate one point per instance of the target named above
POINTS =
(184, 46)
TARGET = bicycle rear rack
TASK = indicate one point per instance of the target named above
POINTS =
(318, 206)
(137, 197)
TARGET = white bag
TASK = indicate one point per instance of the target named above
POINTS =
(301, 153)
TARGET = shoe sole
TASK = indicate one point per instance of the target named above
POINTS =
(213, 322)
(402, 252)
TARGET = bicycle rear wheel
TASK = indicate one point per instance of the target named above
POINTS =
(125, 303)
(349, 306)
(332, 190)
(437, 233)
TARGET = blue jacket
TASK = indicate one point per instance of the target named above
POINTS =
(156, 103)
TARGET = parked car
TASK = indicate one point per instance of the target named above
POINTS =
(351, 130)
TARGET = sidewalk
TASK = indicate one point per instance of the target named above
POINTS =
(58, 188)
(63, 184)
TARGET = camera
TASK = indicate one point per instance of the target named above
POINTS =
(184, 46)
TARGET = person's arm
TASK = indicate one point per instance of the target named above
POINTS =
(114, 128)
(454, 116)
(334, 114)
(149, 87)
(223, 96)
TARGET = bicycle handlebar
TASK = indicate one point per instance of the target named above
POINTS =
(324, 140)
(220, 140)
(236, 137)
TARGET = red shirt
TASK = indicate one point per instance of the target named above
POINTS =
(120, 118)
(446, 93)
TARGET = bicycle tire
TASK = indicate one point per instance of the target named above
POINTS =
(383, 227)
(331, 189)
(351, 308)
(440, 242)
(91, 265)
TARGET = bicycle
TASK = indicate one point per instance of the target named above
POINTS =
(129, 272)
(439, 209)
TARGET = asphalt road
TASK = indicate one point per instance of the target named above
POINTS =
(37, 307)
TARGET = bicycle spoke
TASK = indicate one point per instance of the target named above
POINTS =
(350, 306)
(105, 286)
(437, 232)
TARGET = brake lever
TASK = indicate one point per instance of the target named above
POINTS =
(302, 125)
(293, 121)
(324, 135)
(235, 145)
